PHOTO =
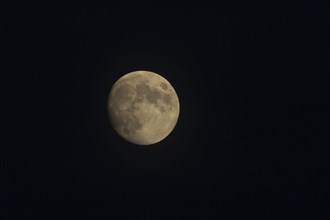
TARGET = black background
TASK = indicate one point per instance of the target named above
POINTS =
(252, 133)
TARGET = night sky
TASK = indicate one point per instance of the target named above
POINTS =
(252, 135)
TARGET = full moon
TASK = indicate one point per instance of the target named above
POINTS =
(143, 107)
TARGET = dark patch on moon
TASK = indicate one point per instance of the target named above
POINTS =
(126, 131)
(167, 99)
(142, 89)
(130, 124)
(136, 123)
(138, 99)
(162, 109)
(134, 107)
(151, 95)
(122, 94)
(163, 86)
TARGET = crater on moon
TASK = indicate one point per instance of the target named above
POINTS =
(163, 85)
(143, 107)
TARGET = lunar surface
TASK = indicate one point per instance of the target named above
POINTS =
(143, 107)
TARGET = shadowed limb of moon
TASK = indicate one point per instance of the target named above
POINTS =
(143, 107)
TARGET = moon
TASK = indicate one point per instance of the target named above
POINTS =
(143, 107)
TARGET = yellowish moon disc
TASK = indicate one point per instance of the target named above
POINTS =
(143, 107)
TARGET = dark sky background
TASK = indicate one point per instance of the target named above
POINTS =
(252, 136)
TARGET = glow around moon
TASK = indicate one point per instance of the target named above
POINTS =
(143, 107)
